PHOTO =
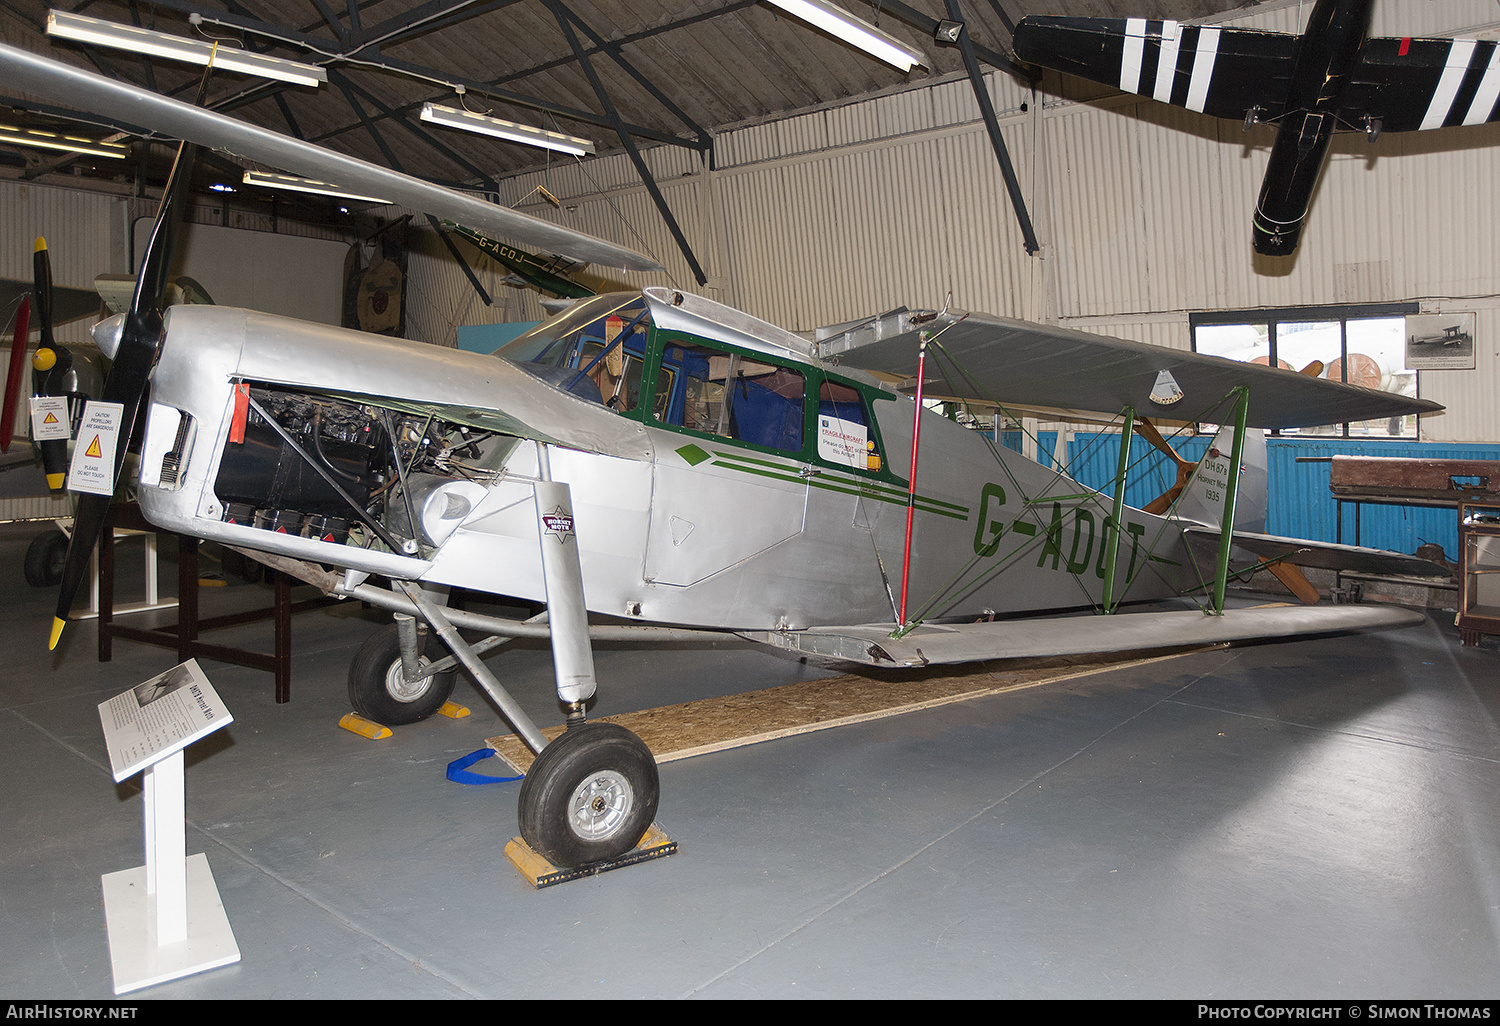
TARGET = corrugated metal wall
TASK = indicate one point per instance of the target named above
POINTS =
(86, 235)
(1143, 211)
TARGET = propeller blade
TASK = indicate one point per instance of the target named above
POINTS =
(13, 375)
(1185, 468)
(140, 343)
(50, 361)
(41, 276)
(1147, 430)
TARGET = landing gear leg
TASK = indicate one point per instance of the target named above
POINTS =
(590, 794)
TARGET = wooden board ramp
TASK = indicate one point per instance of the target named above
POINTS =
(541, 873)
(707, 725)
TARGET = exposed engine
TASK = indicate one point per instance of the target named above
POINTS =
(320, 467)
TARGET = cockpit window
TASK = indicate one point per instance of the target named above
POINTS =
(595, 350)
(731, 395)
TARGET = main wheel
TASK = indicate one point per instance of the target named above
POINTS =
(589, 796)
(45, 557)
(378, 689)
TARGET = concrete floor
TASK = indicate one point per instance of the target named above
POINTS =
(1311, 819)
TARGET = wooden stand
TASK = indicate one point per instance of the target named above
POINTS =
(183, 635)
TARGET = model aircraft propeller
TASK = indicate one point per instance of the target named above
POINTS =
(140, 341)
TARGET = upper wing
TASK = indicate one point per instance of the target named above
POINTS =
(1412, 84)
(1122, 632)
(84, 90)
(1217, 71)
(1016, 362)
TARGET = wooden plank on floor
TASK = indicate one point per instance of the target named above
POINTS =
(715, 724)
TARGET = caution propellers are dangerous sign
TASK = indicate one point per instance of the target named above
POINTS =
(49, 417)
(93, 466)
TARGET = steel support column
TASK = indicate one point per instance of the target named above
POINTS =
(564, 16)
(992, 125)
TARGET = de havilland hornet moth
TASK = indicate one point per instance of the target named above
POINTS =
(1331, 77)
(678, 466)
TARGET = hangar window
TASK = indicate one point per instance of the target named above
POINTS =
(1359, 345)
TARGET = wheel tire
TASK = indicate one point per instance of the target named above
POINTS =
(45, 557)
(375, 681)
(589, 796)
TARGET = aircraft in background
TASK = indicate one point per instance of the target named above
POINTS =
(1329, 78)
(553, 276)
(681, 467)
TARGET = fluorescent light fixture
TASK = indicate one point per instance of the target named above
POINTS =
(296, 184)
(180, 48)
(61, 141)
(452, 117)
(838, 22)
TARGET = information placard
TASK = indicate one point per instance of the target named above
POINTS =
(164, 715)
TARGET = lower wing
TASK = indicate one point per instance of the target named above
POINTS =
(873, 645)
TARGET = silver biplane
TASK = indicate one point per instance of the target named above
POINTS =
(674, 466)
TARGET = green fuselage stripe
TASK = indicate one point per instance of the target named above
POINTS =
(846, 486)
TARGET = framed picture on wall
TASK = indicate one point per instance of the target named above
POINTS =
(1440, 341)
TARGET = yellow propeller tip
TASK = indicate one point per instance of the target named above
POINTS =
(58, 623)
(44, 359)
(55, 481)
(41, 244)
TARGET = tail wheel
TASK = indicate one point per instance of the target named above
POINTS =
(590, 796)
(379, 690)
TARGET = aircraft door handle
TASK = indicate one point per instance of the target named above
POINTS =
(807, 472)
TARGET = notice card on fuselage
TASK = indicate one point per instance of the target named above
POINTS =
(167, 713)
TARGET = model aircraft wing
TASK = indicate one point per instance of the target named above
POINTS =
(1204, 544)
(872, 644)
(83, 90)
(984, 358)
(1217, 71)
(1412, 84)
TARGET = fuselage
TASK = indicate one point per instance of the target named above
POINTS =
(721, 474)
(1327, 54)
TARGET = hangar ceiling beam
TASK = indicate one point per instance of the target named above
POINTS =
(992, 126)
(612, 51)
(348, 90)
(564, 17)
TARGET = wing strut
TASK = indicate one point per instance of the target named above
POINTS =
(1113, 528)
(1231, 492)
(911, 486)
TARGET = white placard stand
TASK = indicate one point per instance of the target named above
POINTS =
(165, 918)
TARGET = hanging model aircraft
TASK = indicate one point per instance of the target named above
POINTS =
(1331, 77)
(679, 466)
